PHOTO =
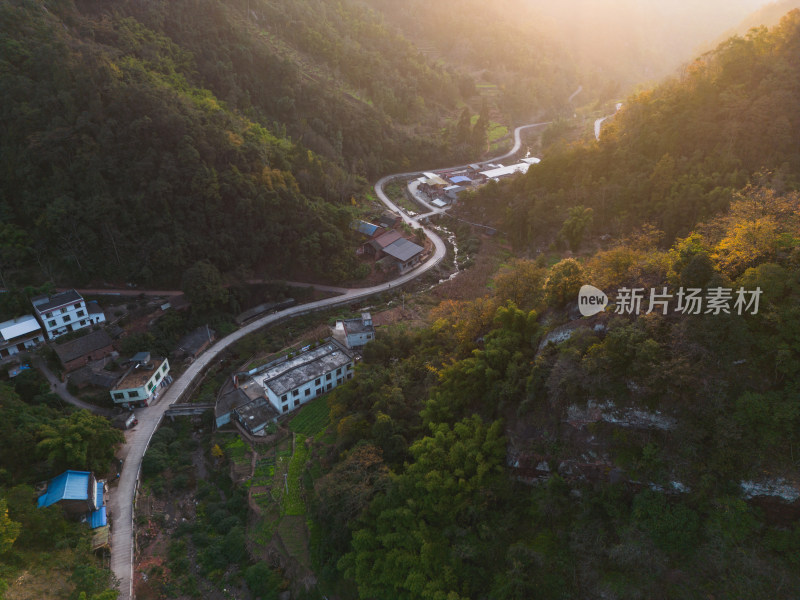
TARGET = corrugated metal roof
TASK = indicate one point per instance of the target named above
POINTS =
(19, 326)
(98, 518)
(70, 485)
(388, 238)
(461, 179)
(365, 228)
(403, 250)
(100, 490)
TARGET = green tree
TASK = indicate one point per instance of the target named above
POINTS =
(579, 219)
(80, 441)
(9, 530)
(413, 542)
(565, 280)
(202, 284)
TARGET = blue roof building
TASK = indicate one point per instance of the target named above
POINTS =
(460, 179)
(79, 494)
(367, 229)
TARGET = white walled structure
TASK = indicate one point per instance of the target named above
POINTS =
(292, 383)
(140, 383)
(20, 334)
(65, 312)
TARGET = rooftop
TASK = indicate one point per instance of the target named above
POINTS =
(301, 369)
(403, 250)
(47, 303)
(94, 308)
(231, 401)
(387, 238)
(357, 325)
(19, 326)
(502, 171)
(98, 377)
(96, 340)
(461, 179)
(139, 374)
(364, 227)
(256, 412)
(70, 485)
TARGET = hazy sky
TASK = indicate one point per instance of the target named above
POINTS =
(637, 40)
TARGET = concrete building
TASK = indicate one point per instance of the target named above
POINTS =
(140, 384)
(20, 334)
(355, 333)
(291, 383)
(255, 415)
(406, 254)
(79, 352)
(65, 312)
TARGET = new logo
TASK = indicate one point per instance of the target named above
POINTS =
(591, 300)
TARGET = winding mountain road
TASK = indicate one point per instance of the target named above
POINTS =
(121, 498)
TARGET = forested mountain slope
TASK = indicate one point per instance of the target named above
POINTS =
(674, 155)
(501, 43)
(514, 451)
(139, 138)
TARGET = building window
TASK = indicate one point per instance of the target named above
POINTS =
(285, 408)
(150, 386)
(133, 394)
(339, 381)
(349, 366)
(349, 375)
(78, 305)
(308, 392)
(339, 371)
(51, 323)
(119, 395)
(80, 313)
(295, 392)
(319, 391)
(158, 377)
(317, 382)
(283, 398)
(164, 368)
(328, 386)
(296, 403)
(328, 377)
(48, 315)
(66, 318)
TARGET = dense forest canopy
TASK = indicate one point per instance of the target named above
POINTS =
(637, 432)
(673, 156)
(140, 138)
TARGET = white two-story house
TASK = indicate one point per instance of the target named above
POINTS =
(64, 312)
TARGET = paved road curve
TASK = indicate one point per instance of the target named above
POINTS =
(121, 498)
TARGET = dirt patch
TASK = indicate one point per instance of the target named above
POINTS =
(410, 316)
(39, 583)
